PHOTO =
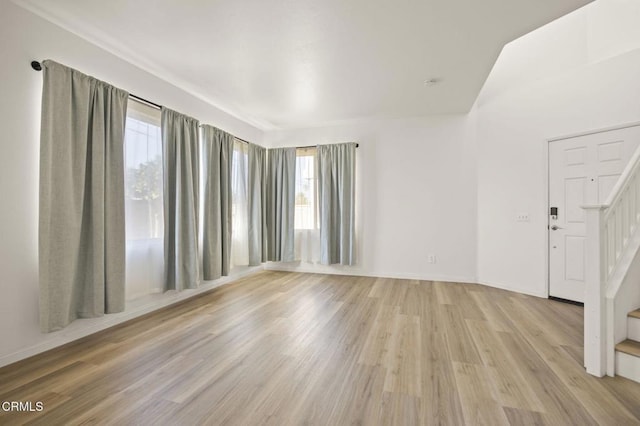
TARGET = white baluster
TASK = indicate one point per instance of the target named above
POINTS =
(611, 242)
(624, 217)
(636, 193)
(632, 205)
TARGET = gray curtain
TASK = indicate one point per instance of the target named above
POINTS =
(180, 157)
(216, 243)
(336, 165)
(257, 193)
(81, 225)
(281, 204)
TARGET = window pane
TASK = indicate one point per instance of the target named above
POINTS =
(239, 206)
(143, 180)
(144, 215)
(305, 212)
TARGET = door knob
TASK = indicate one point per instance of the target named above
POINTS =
(555, 227)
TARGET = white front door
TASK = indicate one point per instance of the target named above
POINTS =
(582, 170)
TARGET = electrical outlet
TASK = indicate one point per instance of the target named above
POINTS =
(431, 258)
(522, 217)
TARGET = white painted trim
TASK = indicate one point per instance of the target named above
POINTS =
(633, 328)
(594, 131)
(545, 182)
(610, 343)
(623, 180)
(275, 266)
(618, 275)
(502, 286)
(628, 366)
(595, 316)
(85, 327)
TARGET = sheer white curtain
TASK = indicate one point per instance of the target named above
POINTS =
(144, 216)
(307, 245)
(307, 234)
(240, 206)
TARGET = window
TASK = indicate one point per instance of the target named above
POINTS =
(305, 204)
(239, 205)
(143, 168)
(144, 212)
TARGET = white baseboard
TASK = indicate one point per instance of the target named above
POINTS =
(85, 327)
(507, 287)
(342, 270)
(633, 328)
(628, 366)
(354, 271)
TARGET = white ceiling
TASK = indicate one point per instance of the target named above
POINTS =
(294, 63)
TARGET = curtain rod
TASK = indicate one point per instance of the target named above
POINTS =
(241, 140)
(38, 67)
(138, 98)
(315, 146)
(145, 101)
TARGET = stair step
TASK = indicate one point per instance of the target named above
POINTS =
(630, 347)
(633, 325)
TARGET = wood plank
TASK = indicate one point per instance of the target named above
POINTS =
(524, 417)
(403, 357)
(559, 403)
(502, 370)
(440, 397)
(461, 345)
(488, 305)
(629, 346)
(478, 404)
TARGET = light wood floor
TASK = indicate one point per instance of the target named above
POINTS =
(284, 348)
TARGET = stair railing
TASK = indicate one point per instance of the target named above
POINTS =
(609, 228)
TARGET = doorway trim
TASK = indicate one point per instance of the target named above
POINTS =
(546, 179)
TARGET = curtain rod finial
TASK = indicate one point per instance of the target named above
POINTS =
(36, 65)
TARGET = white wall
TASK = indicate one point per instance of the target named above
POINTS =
(577, 74)
(25, 37)
(416, 195)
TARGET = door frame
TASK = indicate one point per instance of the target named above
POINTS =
(546, 180)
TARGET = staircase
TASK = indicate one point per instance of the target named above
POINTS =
(612, 277)
(628, 351)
